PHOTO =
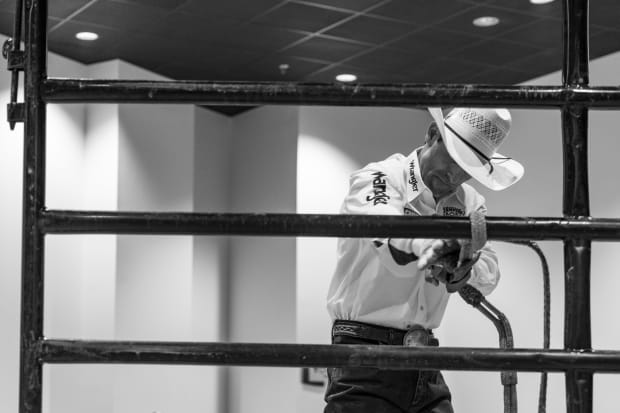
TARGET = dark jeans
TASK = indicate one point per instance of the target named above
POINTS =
(371, 390)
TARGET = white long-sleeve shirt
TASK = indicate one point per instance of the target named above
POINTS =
(376, 280)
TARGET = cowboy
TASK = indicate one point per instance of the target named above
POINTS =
(395, 291)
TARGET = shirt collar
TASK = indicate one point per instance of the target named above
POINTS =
(415, 185)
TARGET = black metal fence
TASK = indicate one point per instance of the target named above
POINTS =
(576, 228)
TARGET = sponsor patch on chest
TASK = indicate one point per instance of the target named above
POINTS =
(450, 211)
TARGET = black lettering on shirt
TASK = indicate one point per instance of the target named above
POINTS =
(412, 179)
(379, 189)
(453, 212)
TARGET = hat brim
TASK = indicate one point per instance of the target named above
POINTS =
(506, 171)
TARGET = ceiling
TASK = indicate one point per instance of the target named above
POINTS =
(381, 41)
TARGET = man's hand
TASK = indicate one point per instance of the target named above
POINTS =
(447, 263)
(444, 252)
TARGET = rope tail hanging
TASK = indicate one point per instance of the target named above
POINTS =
(475, 298)
(542, 395)
(509, 378)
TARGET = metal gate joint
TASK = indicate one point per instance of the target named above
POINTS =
(16, 112)
(15, 58)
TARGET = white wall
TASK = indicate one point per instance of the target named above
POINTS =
(210, 284)
(170, 287)
(154, 273)
(262, 273)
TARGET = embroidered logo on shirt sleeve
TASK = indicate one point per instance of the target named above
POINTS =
(379, 189)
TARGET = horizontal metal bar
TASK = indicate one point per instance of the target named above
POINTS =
(245, 93)
(319, 355)
(322, 225)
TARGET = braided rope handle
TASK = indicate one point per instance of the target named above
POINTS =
(478, 235)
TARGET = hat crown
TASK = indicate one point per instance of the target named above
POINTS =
(483, 128)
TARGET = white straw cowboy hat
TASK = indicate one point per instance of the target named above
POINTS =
(472, 137)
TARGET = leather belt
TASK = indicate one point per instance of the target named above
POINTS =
(415, 336)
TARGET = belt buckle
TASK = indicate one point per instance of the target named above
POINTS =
(416, 336)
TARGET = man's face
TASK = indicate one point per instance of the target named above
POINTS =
(439, 171)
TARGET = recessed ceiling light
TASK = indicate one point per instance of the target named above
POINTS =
(88, 36)
(284, 67)
(346, 77)
(486, 21)
(540, 1)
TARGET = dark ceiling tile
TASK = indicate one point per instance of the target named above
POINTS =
(237, 9)
(356, 5)
(162, 4)
(301, 17)
(269, 68)
(420, 11)
(500, 76)
(86, 54)
(363, 76)
(266, 69)
(63, 42)
(155, 56)
(257, 38)
(548, 10)
(216, 57)
(179, 71)
(463, 22)
(494, 52)
(386, 60)
(544, 34)
(444, 70)
(603, 43)
(64, 8)
(325, 49)
(194, 29)
(369, 29)
(539, 64)
(7, 21)
(605, 13)
(124, 16)
(432, 42)
(211, 40)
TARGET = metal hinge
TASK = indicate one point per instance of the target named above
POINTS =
(16, 60)
(7, 51)
(16, 112)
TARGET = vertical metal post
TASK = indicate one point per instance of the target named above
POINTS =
(30, 400)
(577, 332)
